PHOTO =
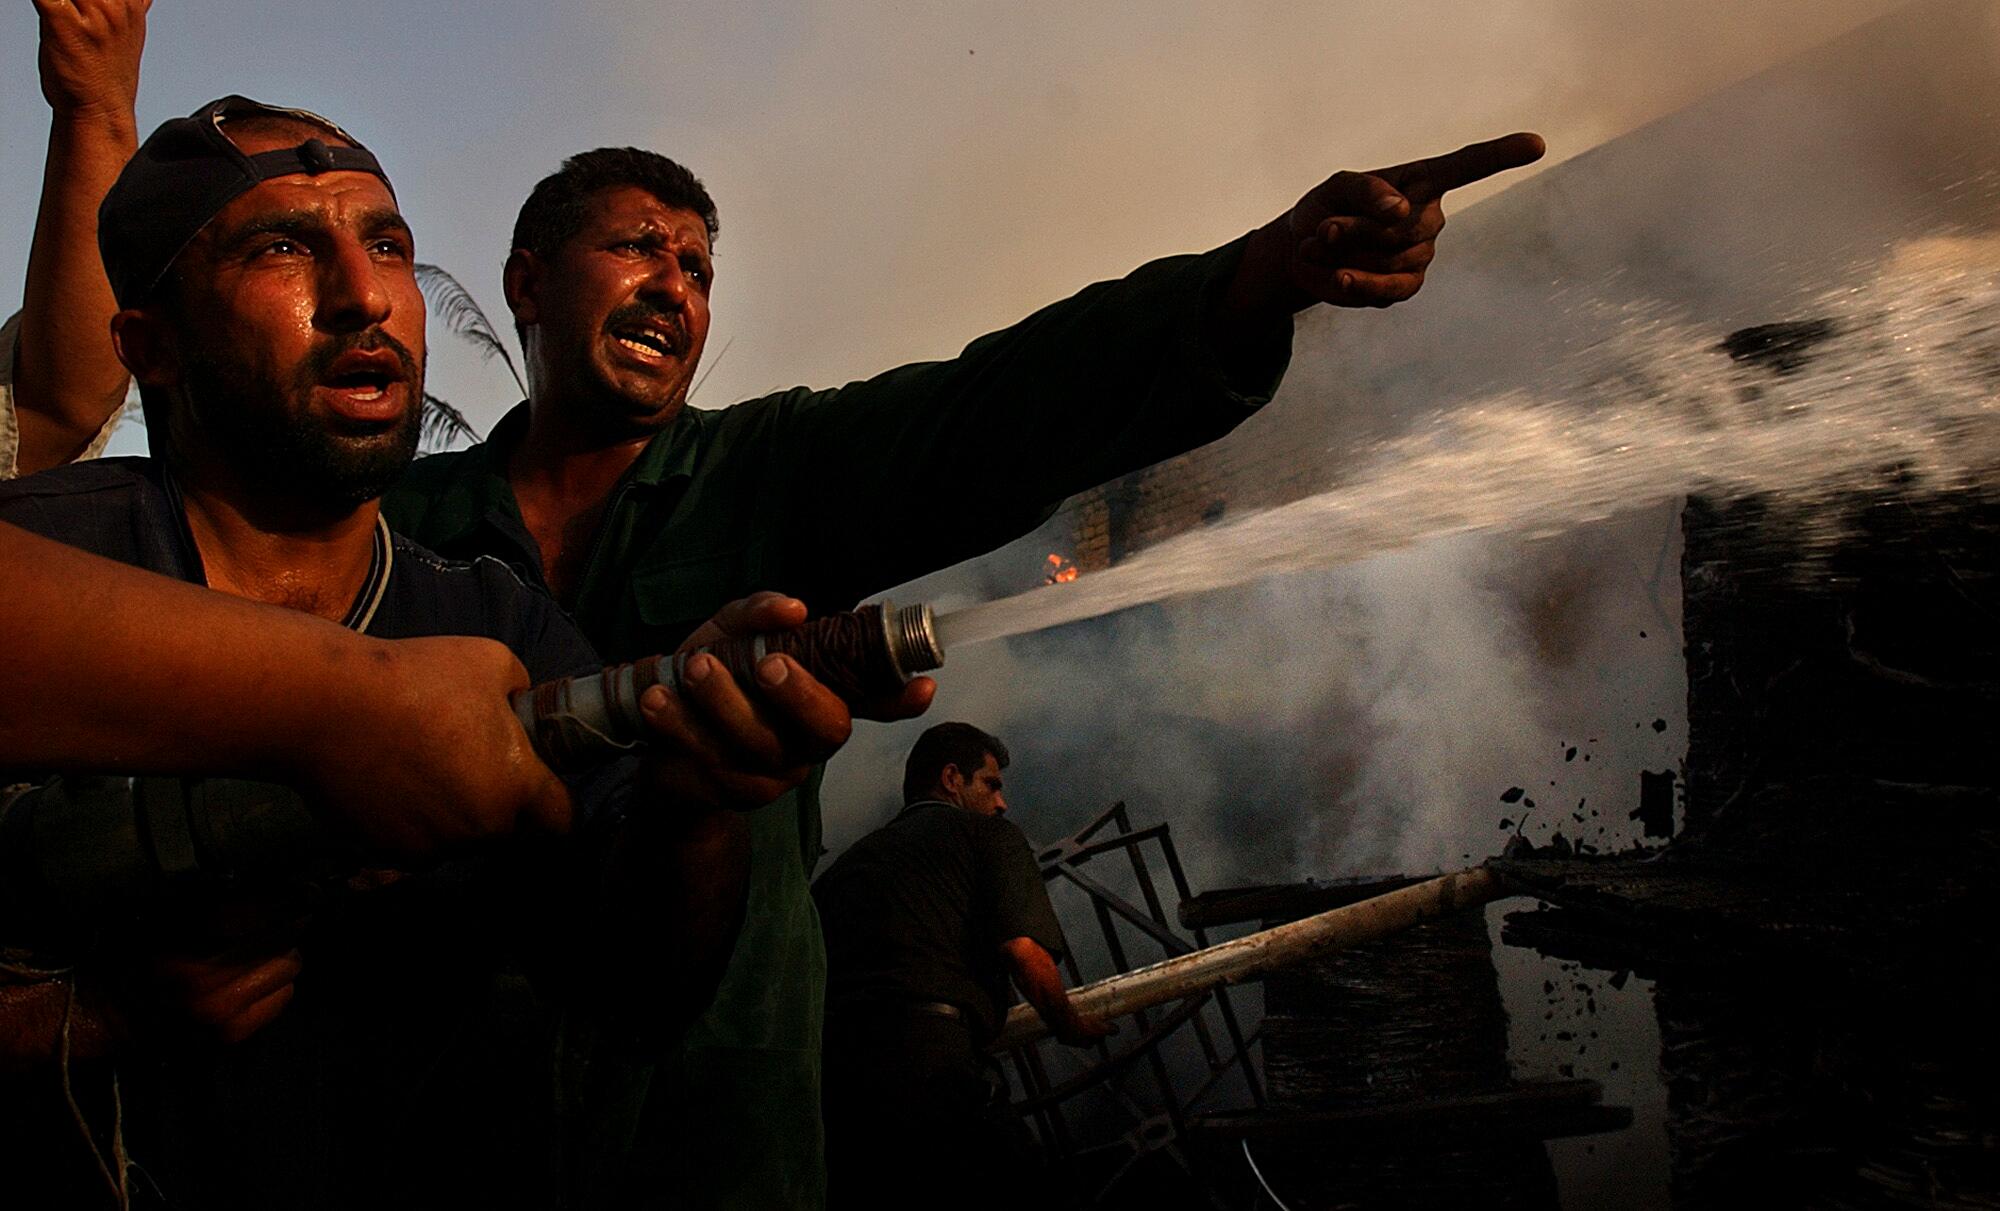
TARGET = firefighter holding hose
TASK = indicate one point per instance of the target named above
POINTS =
(388, 1036)
(642, 515)
(644, 518)
(928, 919)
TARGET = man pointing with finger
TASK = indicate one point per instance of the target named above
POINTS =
(645, 518)
(643, 515)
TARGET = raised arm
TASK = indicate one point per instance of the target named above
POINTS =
(67, 379)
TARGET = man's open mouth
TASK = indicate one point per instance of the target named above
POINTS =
(361, 378)
(362, 386)
(651, 343)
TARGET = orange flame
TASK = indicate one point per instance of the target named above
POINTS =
(1061, 571)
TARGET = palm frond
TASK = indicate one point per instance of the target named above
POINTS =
(443, 424)
(711, 369)
(461, 313)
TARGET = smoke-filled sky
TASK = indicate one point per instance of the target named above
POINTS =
(896, 178)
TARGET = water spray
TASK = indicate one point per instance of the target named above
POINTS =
(864, 654)
(1656, 412)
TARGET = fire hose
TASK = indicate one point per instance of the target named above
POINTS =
(578, 722)
(79, 853)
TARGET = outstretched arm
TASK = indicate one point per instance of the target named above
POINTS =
(410, 743)
(108, 667)
(67, 378)
(967, 454)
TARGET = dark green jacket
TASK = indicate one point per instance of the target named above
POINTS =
(830, 496)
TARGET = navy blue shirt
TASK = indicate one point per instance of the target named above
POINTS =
(413, 1066)
(128, 509)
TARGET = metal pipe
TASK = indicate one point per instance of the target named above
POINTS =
(1252, 957)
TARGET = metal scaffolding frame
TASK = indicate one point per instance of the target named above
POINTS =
(1155, 1119)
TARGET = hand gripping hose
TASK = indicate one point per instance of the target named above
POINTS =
(872, 652)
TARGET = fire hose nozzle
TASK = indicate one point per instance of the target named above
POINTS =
(578, 722)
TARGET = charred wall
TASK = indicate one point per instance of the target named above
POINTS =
(1876, 662)
(1835, 1045)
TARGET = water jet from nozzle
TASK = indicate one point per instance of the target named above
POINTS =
(1901, 389)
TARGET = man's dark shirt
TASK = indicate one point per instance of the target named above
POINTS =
(829, 496)
(412, 1067)
(917, 911)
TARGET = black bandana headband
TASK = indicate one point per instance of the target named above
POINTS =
(187, 171)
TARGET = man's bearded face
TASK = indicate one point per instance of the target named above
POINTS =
(296, 357)
(266, 421)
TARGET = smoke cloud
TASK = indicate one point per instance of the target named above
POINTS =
(895, 181)
(1416, 709)
(1367, 720)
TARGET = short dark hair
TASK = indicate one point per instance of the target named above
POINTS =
(555, 210)
(959, 744)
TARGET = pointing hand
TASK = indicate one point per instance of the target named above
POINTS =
(1365, 239)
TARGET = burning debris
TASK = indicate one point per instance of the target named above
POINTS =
(1384, 1043)
(1822, 898)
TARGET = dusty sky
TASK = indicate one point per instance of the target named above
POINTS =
(893, 178)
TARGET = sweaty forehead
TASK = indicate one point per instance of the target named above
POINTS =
(629, 206)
